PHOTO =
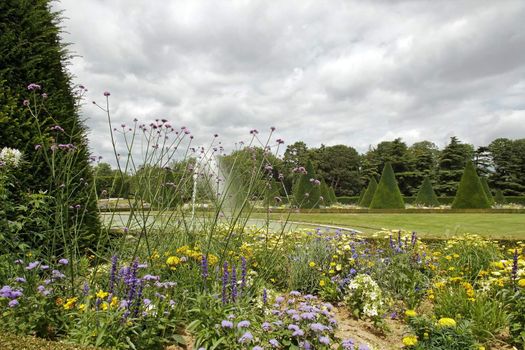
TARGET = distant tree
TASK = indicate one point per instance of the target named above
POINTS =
(387, 195)
(486, 188)
(422, 158)
(296, 155)
(483, 161)
(307, 193)
(426, 195)
(451, 164)
(509, 166)
(369, 193)
(470, 194)
(339, 167)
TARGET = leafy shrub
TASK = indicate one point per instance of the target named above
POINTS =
(470, 193)
(485, 314)
(387, 195)
(432, 335)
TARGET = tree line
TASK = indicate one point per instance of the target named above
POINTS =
(341, 168)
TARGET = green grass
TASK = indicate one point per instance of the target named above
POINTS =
(497, 226)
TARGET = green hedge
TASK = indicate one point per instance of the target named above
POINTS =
(442, 200)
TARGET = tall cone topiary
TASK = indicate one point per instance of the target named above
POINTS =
(500, 198)
(361, 195)
(387, 195)
(470, 193)
(369, 193)
(306, 193)
(486, 188)
(426, 195)
(333, 197)
(325, 193)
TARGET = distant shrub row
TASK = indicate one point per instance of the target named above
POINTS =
(520, 200)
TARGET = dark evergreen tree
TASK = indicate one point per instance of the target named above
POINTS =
(325, 193)
(307, 192)
(31, 52)
(508, 158)
(470, 194)
(426, 195)
(486, 188)
(387, 195)
(451, 164)
(369, 193)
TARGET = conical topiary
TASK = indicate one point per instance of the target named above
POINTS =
(307, 192)
(369, 193)
(426, 195)
(333, 197)
(361, 195)
(486, 188)
(500, 198)
(470, 193)
(325, 193)
(387, 195)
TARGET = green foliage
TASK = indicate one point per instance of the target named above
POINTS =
(32, 53)
(485, 314)
(326, 194)
(509, 165)
(339, 166)
(515, 306)
(451, 163)
(500, 198)
(333, 197)
(306, 193)
(486, 188)
(402, 277)
(302, 274)
(473, 256)
(470, 194)
(426, 195)
(11, 341)
(369, 193)
(387, 195)
(432, 336)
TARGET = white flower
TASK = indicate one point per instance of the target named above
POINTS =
(10, 156)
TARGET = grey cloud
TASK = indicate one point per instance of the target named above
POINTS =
(348, 72)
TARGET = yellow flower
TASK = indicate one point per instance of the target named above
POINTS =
(70, 303)
(173, 261)
(447, 322)
(82, 307)
(322, 283)
(521, 283)
(105, 306)
(410, 340)
(411, 313)
(311, 264)
(338, 267)
(114, 302)
(101, 294)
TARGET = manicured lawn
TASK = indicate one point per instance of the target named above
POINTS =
(497, 226)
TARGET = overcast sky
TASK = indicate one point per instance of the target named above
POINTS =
(331, 72)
